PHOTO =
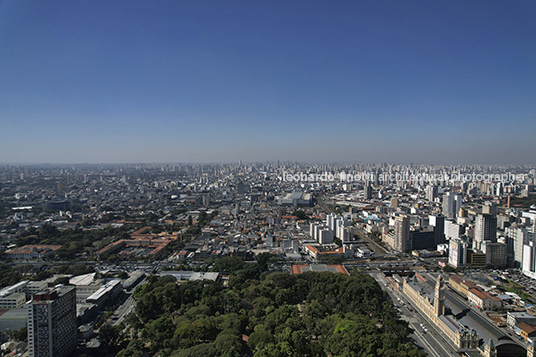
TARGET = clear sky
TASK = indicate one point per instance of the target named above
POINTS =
(255, 80)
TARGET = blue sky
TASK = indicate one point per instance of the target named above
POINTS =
(221, 81)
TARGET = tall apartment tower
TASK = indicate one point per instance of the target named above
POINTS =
(485, 229)
(402, 236)
(52, 330)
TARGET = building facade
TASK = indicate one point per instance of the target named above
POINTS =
(52, 330)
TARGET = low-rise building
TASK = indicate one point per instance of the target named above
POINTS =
(483, 300)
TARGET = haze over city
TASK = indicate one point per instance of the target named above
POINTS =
(222, 81)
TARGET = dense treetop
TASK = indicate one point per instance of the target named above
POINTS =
(313, 314)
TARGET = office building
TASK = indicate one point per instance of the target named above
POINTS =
(438, 222)
(52, 330)
(496, 256)
(485, 229)
(452, 202)
(516, 237)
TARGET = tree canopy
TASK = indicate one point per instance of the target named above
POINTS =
(312, 314)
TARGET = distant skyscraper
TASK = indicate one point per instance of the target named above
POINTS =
(367, 191)
(52, 330)
(452, 203)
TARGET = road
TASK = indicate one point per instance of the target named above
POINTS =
(423, 332)
(123, 310)
(378, 249)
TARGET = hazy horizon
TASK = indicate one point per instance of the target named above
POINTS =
(223, 81)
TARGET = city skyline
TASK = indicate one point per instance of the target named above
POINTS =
(381, 81)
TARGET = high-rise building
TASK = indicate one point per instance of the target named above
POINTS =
(457, 252)
(452, 230)
(529, 257)
(452, 202)
(52, 330)
(431, 193)
(438, 222)
(496, 256)
(485, 229)
(367, 191)
(402, 240)
(516, 237)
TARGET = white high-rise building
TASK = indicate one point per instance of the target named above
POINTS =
(452, 230)
(529, 265)
(457, 252)
(346, 234)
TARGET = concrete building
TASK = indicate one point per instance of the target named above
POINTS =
(52, 330)
(496, 256)
(402, 241)
(452, 230)
(296, 198)
(516, 237)
(431, 193)
(529, 263)
(485, 229)
(458, 252)
(325, 236)
(13, 301)
(438, 222)
(452, 202)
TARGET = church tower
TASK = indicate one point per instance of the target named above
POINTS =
(439, 297)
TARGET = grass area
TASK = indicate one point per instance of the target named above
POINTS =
(513, 287)
(525, 202)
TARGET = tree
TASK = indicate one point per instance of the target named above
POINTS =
(449, 269)
(262, 261)
(300, 214)
(110, 335)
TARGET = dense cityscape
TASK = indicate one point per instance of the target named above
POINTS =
(282, 178)
(451, 249)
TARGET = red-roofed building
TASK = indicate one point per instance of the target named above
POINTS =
(483, 300)
(303, 268)
(31, 251)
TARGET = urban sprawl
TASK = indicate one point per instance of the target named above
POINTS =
(454, 247)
